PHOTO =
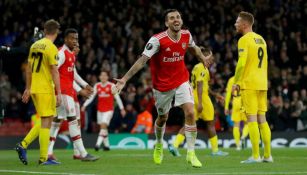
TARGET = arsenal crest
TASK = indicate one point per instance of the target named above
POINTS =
(184, 45)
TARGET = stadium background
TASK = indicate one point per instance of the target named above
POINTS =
(113, 33)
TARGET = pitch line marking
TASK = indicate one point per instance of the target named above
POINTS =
(36, 172)
(234, 173)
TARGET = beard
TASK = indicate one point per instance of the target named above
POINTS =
(176, 28)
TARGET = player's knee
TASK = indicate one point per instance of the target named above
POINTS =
(71, 118)
(161, 119)
(251, 118)
(236, 124)
(261, 118)
(189, 114)
(57, 120)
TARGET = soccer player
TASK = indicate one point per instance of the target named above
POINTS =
(203, 107)
(105, 108)
(237, 114)
(42, 80)
(251, 80)
(170, 79)
(67, 110)
(85, 92)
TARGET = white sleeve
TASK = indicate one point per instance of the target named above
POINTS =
(191, 41)
(76, 87)
(152, 47)
(78, 79)
(88, 101)
(61, 57)
(119, 101)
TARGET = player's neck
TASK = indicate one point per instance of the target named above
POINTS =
(174, 35)
(247, 31)
(51, 37)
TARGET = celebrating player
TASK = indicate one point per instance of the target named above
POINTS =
(251, 80)
(170, 79)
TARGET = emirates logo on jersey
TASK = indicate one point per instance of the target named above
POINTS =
(184, 45)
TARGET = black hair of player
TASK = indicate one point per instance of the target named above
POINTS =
(166, 12)
(70, 30)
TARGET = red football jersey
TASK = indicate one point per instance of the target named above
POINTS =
(66, 65)
(167, 65)
(105, 97)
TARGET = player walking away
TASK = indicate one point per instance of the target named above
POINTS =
(67, 110)
(251, 80)
(42, 80)
(170, 79)
(203, 108)
(85, 92)
(237, 115)
(105, 108)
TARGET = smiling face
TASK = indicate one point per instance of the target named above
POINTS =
(173, 21)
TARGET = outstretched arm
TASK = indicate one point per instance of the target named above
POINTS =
(138, 65)
(206, 60)
(92, 97)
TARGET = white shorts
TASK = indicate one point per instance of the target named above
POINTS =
(104, 117)
(182, 94)
(67, 108)
(77, 107)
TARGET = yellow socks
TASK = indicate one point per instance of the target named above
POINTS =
(33, 133)
(236, 135)
(178, 140)
(266, 138)
(255, 138)
(244, 131)
(44, 135)
(214, 144)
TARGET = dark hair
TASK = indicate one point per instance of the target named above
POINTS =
(70, 30)
(246, 16)
(166, 12)
(105, 71)
(204, 50)
(51, 27)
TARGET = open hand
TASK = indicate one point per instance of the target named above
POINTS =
(120, 84)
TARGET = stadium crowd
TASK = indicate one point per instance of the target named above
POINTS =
(112, 33)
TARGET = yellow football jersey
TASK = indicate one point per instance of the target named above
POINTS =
(200, 73)
(43, 53)
(252, 68)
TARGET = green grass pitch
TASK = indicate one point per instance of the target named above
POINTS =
(134, 162)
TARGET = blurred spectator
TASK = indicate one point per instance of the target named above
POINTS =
(13, 108)
(144, 119)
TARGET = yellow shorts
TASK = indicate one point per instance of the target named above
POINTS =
(45, 104)
(254, 101)
(238, 112)
(207, 113)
